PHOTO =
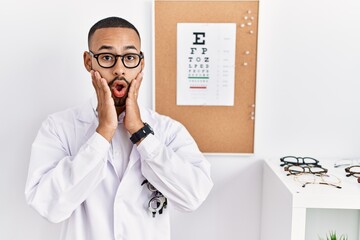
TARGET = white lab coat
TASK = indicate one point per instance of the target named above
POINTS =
(72, 180)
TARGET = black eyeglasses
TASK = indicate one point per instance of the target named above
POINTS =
(108, 60)
(291, 160)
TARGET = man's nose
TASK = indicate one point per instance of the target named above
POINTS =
(119, 68)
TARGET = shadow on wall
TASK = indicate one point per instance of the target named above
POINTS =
(233, 208)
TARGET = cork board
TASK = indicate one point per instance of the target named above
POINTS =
(216, 129)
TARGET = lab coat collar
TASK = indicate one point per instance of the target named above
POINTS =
(87, 112)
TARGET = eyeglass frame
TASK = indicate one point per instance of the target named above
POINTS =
(303, 167)
(323, 182)
(284, 162)
(351, 173)
(96, 56)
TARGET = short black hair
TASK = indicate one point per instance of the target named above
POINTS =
(111, 22)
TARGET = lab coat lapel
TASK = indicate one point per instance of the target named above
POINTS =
(87, 121)
(87, 113)
(134, 157)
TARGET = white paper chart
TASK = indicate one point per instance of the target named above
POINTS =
(206, 64)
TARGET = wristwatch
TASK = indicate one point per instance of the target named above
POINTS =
(142, 133)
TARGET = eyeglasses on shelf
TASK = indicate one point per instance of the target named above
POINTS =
(323, 179)
(353, 171)
(346, 162)
(299, 169)
(292, 160)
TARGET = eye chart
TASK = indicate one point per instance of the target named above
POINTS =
(206, 64)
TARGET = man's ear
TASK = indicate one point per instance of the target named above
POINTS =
(142, 64)
(87, 61)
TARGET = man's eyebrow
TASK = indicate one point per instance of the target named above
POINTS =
(129, 47)
(106, 47)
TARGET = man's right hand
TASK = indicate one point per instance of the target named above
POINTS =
(106, 109)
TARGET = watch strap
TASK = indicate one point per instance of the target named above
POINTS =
(142, 133)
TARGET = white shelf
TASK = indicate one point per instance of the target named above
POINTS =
(285, 201)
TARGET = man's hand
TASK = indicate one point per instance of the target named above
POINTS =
(106, 110)
(132, 118)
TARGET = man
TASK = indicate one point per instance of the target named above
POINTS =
(109, 168)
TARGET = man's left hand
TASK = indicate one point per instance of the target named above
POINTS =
(132, 118)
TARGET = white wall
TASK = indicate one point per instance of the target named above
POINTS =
(308, 78)
(307, 99)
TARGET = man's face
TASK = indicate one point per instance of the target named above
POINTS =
(117, 41)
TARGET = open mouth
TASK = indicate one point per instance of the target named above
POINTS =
(119, 88)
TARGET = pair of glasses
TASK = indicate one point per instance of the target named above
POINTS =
(305, 168)
(291, 160)
(353, 171)
(108, 60)
(322, 179)
(157, 202)
(346, 162)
